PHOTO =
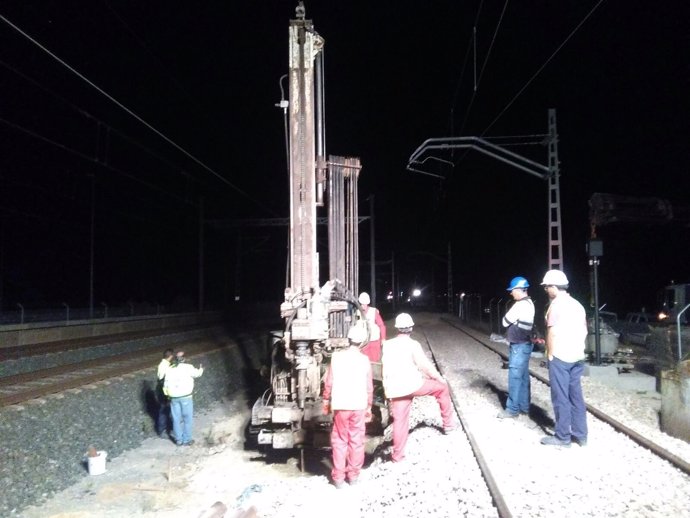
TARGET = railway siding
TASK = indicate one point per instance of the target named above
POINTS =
(538, 480)
(44, 439)
(440, 478)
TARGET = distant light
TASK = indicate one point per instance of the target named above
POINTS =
(416, 292)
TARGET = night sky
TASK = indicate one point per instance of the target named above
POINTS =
(206, 76)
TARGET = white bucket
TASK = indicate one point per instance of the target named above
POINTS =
(97, 463)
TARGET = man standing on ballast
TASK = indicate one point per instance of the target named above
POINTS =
(519, 320)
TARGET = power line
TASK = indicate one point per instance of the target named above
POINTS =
(142, 43)
(92, 117)
(481, 72)
(543, 66)
(464, 63)
(130, 112)
(88, 158)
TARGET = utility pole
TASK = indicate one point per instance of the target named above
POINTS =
(372, 251)
(394, 285)
(550, 173)
(91, 239)
(450, 279)
(555, 232)
(201, 254)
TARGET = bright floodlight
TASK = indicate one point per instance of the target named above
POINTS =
(416, 292)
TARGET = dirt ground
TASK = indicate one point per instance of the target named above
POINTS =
(160, 479)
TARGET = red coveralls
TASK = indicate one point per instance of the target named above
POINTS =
(377, 331)
(349, 387)
(408, 373)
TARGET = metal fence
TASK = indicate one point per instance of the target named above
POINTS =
(68, 314)
(481, 313)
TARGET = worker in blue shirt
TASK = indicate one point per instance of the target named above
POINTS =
(519, 321)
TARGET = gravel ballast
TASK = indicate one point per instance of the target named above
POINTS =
(44, 441)
(440, 478)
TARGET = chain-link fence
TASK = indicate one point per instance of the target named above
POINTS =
(69, 314)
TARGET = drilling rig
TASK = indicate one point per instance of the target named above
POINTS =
(317, 316)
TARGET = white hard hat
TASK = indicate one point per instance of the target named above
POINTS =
(403, 321)
(364, 298)
(555, 278)
(357, 334)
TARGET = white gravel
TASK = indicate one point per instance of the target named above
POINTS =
(609, 477)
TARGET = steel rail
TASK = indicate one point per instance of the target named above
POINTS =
(661, 452)
(15, 352)
(58, 379)
(496, 496)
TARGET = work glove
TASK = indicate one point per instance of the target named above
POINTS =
(326, 406)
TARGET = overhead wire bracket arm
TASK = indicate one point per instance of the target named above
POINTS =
(481, 145)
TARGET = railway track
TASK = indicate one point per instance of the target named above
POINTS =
(484, 452)
(17, 352)
(36, 384)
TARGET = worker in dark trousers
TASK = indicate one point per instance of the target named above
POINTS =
(519, 321)
(566, 331)
(162, 419)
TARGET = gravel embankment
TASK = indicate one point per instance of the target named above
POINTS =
(44, 441)
(609, 477)
(46, 361)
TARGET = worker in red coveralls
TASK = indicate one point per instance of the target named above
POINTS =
(348, 391)
(408, 373)
(377, 329)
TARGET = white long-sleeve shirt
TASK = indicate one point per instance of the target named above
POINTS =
(179, 380)
(405, 366)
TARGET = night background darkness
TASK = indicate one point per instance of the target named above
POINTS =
(206, 75)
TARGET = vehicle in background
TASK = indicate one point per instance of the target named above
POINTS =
(608, 336)
(674, 298)
(635, 328)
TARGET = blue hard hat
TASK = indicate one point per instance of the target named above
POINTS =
(518, 282)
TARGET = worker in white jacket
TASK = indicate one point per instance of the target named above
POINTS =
(179, 386)
(408, 373)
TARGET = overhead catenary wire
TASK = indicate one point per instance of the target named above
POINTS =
(89, 158)
(134, 115)
(158, 60)
(486, 60)
(543, 66)
(90, 116)
(464, 65)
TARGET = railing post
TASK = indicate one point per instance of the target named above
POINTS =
(491, 315)
(680, 344)
(66, 310)
(498, 315)
(21, 321)
(105, 309)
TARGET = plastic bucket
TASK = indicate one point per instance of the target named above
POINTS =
(97, 463)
